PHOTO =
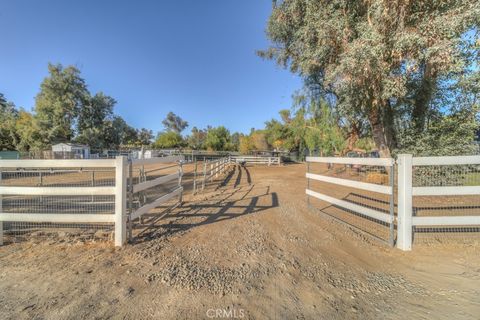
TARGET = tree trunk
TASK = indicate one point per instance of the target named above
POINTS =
(423, 96)
(389, 121)
(353, 135)
(378, 132)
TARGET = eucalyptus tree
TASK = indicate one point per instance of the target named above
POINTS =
(174, 123)
(382, 60)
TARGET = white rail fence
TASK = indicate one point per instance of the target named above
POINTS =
(60, 192)
(152, 175)
(428, 178)
(353, 166)
(211, 170)
(118, 190)
(448, 176)
(257, 160)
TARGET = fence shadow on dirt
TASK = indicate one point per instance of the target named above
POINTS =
(238, 198)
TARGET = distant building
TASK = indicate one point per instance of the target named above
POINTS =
(9, 155)
(71, 150)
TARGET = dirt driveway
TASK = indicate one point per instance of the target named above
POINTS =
(246, 249)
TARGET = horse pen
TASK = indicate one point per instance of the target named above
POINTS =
(157, 238)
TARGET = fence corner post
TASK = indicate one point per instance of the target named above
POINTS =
(405, 199)
(120, 200)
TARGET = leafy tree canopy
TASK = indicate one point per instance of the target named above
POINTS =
(219, 139)
(390, 63)
(168, 139)
(174, 123)
(62, 95)
(8, 117)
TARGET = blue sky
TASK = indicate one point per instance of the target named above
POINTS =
(195, 58)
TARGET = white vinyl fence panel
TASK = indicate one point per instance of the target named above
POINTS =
(143, 184)
(355, 166)
(431, 179)
(59, 215)
(74, 191)
(446, 176)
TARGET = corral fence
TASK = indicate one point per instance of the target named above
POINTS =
(257, 160)
(92, 197)
(151, 183)
(400, 202)
(207, 170)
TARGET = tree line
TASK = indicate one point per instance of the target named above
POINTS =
(66, 111)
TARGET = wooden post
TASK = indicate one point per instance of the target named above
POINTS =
(195, 177)
(120, 200)
(405, 199)
(204, 173)
(180, 175)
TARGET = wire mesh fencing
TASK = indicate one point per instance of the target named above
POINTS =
(429, 199)
(446, 192)
(152, 184)
(357, 192)
(39, 204)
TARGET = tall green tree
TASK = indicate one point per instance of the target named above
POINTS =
(168, 139)
(174, 123)
(218, 139)
(27, 132)
(92, 119)
(8, 118)
(144, 137)
(62, 95)
(383, 60)
(196, 139)
(118, 133)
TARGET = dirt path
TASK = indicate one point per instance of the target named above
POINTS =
(247, 248)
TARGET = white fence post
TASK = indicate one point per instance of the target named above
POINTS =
(180, 177)
(405, 197)
(120, 201)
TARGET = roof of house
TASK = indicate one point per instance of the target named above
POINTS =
(75, 145)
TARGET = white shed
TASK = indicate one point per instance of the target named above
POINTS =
(77, 151)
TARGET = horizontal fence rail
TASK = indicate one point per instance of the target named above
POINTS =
(362, 161)
(84, 193)
(346, 172)
(435, 195)
(23, 171)
(354, 184)
(257, 160)
(444, 177)
(152, 184)
(211, 170)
